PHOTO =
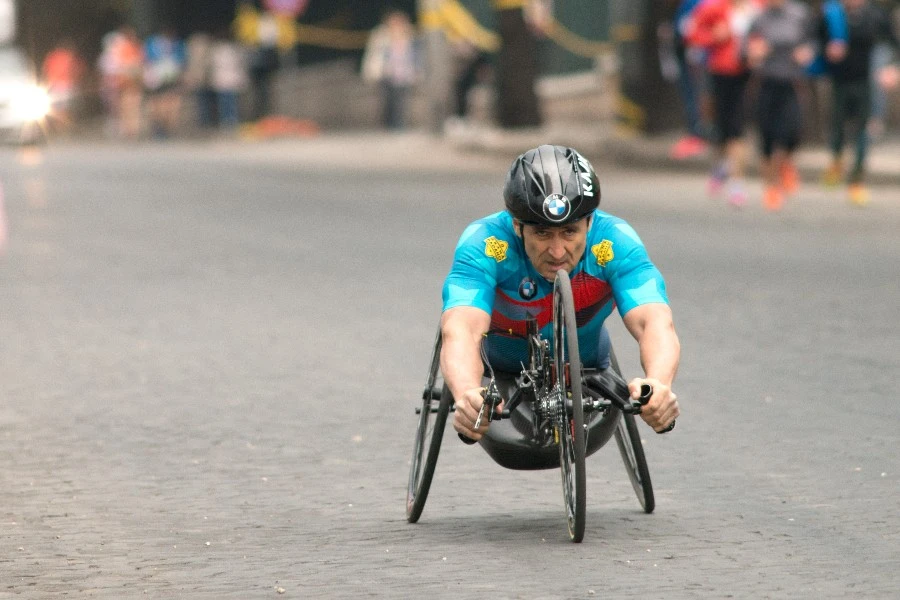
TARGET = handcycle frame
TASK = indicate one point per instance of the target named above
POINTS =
(554, 419)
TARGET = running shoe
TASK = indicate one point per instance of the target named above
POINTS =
(790, 178)
(773, 198)
(717, 179)
(737, 197)
(833, 174)
(688, 147)
(858, 194)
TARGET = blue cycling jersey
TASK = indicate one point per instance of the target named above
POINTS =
(492, 272)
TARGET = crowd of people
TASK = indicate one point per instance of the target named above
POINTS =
(150, 86)
(776, 47)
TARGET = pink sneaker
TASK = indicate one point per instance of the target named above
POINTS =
(688, 147)
(717, 180)
(737, 197)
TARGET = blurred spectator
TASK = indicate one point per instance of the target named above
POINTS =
(198, 78)
(62, 72)
(882, 56)
(780, 48)
(720, 27)
(850, 67)
(228, 78)
(475, 66)
(262, 33)
(690, 79)
(391, 60)
(164, 63)
(121, 65)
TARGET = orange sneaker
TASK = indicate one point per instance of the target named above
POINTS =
(858, 193)
(790, 178)
(773, 198)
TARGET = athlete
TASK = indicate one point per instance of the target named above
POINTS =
(503, 272)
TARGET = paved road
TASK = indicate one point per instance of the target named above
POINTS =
(209, 357)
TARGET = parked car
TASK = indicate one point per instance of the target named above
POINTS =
(24, 105)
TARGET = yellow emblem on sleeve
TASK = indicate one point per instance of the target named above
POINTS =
(604, 252)
(495, 248)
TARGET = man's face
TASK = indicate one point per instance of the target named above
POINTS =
(553, 248)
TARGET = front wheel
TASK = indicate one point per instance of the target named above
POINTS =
(429, 434)
(570, 413)
(628, 439)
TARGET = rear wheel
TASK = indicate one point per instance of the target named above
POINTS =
(433, 413)
(628, 439)
(570, 416)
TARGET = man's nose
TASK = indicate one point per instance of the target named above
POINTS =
(557, 249)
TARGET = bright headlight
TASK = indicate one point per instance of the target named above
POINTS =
(31, 103)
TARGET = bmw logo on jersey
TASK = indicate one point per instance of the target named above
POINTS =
(556, 207)
(527, 289)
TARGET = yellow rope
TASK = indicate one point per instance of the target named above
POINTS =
(574, 43)
(451, 16)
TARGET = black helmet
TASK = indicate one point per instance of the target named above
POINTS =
(551, 185)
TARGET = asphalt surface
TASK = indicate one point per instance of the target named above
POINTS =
(210, 354)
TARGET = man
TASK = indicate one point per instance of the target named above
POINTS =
(850, 67)
(503, 272)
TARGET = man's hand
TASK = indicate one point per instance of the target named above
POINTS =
(804, 55)
(468, 405)
(888, 77)
(836, 51)
(757, 51)
(662, 409)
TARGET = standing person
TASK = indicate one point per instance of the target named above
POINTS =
(262, 34)
(121, 66)
(62, 71)
(502, 275)
(779, 48)
(198, 77)
(689, 78)
(228, 78)
(849, 65)
(390, 60)
(720, 27)
(165, 59)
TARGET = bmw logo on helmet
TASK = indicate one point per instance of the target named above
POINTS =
(556, 207)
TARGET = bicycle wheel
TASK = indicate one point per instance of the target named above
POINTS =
(429, 435)
(628, 439)
(570, 417)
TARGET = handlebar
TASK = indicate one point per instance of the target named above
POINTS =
(491, 400)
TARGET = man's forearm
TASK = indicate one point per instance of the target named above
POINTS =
(461, 362)
(660, 351)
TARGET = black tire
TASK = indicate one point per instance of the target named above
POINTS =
(429, 435)
(628, 439)
(570, 420)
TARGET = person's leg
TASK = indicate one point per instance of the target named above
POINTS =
(792, 133)
(721, 168)
(861, 113)
(228, 110)
(861, 107)
(834, 172)
(769, 126)
(732, 125)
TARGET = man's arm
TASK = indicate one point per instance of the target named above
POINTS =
(462, 329)
(653, 328)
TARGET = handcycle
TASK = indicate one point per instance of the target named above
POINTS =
(557, 414)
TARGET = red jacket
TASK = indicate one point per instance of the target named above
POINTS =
(724, 57)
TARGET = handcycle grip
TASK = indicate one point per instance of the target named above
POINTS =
(611, 386)
(492, 402)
